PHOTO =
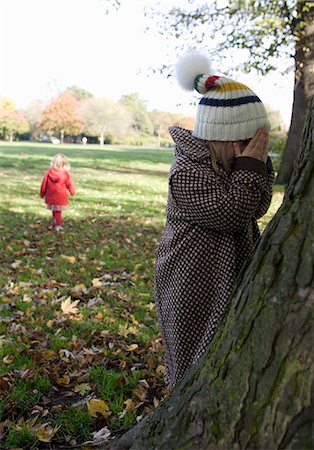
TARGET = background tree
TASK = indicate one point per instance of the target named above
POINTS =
(269, 30)
(11, 120)
(105, 119)
(161, 122)
(137, 107)
(274, 116)
(186, 122)
(61, 116)
(33, 114)
(253, 388)
(78, 93)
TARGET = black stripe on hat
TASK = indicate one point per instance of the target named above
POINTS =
(229, 101)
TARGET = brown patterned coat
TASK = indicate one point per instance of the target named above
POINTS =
(210, 230)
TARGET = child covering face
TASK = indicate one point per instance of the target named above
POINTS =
(220, 183)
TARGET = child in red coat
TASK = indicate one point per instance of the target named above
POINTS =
(57, 181)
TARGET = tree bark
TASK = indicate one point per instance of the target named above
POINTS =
(303, 91)
(102, 138)
(252, 390)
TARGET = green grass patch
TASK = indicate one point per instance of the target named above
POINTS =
(74, 422)
(20, 437)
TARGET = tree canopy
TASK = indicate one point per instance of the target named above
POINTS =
(61, 116)
(11, 120)
(137, 107)
(268, 29)
(104, 118)
(78, 92)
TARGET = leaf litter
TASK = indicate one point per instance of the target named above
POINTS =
(77, 331)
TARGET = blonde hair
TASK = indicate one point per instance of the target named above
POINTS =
(213, 156)
(214, 159)
(216, 148)
(60, 161)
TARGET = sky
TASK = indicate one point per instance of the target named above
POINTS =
(48, 45)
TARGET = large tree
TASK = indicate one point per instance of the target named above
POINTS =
(12, 121)
(33, 114)
(269, 30)
(252, 390)
(61, 116)
(161, 122)
(105, 118)
(140, 116)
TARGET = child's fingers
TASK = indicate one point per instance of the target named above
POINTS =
(237, 149)
(256, 138)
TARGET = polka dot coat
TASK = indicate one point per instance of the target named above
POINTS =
(210, 230)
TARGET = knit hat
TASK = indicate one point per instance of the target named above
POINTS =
(228, 110)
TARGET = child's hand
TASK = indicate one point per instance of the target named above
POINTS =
(257, 147)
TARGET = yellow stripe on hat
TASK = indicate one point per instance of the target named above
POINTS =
(230, 86)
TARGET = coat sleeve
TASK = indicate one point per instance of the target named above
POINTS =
(267, 193)
(70, 185)
(203, 199)
(44, 186)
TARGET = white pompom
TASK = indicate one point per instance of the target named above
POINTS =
(189, 66)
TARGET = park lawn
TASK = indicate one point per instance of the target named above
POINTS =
(80, 349)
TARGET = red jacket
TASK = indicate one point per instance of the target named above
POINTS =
(55, 185)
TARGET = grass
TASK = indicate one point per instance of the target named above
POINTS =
(54, 362)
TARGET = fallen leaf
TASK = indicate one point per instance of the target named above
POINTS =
(125, 330)
(69, 307)
(99, 437)
(66, 355)
(95, 406)
(64, 381)
(70, 259)
(48, 354)
(144, 383)
(8, 359)
(23, 284)
(151, 306)
(4, 384)
(130, 405)
(122, 364)
(16, 264)
(140, 392)
(78, 289)
(97, 282)
(39, 410)
(46, 432)
(160, 370)
(132, 347)
(82, 389)
(57, 408)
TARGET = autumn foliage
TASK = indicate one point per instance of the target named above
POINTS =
(61, 116)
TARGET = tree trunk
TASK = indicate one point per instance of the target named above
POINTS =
(102, 139)
(61, 136)
(303, 91)
(252, 390)
(158, 140)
